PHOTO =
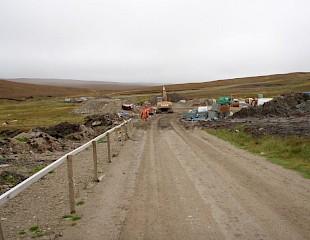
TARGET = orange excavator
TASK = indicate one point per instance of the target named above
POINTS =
(163, 105)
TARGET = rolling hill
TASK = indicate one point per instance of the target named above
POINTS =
(14, 90)
(270, 86)
(94, 85)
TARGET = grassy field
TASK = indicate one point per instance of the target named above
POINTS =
(289, 152)
(36, 112)
(270, 86)
(45, 108)
(14, 90)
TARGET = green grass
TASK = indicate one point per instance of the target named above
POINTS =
(73, 217)
(102, 140)
(22, 139)
(80, 202)
(291, 152)
(36, 169)
(39, 234)
(37, 113)
(34, 228)
(35, 232)
(10, 179)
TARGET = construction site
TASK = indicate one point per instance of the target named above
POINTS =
(152, 170)
(155, 120)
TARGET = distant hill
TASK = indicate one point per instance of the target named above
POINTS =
(14, 90)
(271, 85)
(26, 87)
(96, 85)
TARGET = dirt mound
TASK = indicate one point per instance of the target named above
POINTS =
(103, 119)
(95, 106)
(82, 133)
(198, 102)
(291, 104)
(172, 97)
(175, 97)
(61, 130)
(35, 142)
(10, 133)
(257, 127)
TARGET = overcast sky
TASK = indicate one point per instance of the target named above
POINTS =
(153, 40)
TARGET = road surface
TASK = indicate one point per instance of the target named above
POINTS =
(190, 185)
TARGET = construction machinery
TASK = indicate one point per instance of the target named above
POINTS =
(234, 101)
(163, 105)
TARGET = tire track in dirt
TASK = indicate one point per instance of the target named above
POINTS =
(166, 204)
(271, 202)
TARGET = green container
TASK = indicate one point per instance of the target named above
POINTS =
(223, 100)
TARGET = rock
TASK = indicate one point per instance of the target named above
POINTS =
(96, 123)
(4, 165)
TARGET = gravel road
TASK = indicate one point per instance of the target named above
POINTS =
(172, 183)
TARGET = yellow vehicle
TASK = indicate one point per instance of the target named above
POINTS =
(163, 105)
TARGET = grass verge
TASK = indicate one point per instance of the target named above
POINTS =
(32, 113)
(291, 152)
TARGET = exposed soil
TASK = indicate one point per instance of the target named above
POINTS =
(292, 126)
(169, 183)
(286, 115)
(28, 152)
(286, 105)
(172, 97)
(100, 106)
(61, 130)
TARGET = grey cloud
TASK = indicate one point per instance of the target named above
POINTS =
(143, 40)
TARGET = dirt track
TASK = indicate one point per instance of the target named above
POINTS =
(191, 185)
(173, 183)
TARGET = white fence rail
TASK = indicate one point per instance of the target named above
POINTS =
(5, 197)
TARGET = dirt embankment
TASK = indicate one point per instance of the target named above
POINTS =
(286, 105)
(23, 154)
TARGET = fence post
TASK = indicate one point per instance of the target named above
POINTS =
(130, 125)
(109, 148)
(122, 137)
(116, 138)
(95, 158)
(71, 183)
(126, 130)
(1, 232)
